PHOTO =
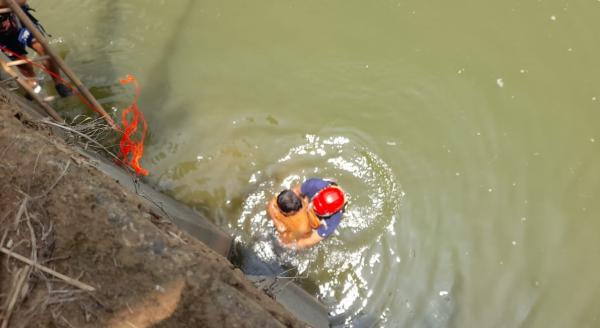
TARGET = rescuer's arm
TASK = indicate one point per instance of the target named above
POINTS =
(325, 230)
(307, 242)
(280, 227)
(272, 212)
(297, 190)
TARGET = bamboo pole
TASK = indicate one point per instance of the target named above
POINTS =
(23, 83)
(61, 64)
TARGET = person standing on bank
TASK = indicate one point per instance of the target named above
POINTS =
(14, 39)
(307, 214)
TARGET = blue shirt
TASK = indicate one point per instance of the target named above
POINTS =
(310, 188)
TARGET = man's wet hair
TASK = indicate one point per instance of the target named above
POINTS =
(289, 202)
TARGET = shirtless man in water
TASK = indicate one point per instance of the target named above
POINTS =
(15, 38)
(307, 214)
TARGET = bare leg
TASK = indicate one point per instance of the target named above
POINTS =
(49, 63)
(51, 66)
(27, 71)
(30, 77)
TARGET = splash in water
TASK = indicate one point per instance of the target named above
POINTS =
(343, 270)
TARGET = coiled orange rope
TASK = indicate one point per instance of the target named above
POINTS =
(132, 150)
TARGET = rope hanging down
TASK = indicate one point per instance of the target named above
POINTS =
(132, 150)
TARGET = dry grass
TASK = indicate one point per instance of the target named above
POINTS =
(26, 238)
(88, 133)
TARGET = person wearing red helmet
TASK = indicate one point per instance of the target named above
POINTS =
(328, 203)
(307, 214)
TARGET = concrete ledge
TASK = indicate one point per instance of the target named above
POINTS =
(163, 205)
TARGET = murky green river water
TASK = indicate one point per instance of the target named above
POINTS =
(466, 133)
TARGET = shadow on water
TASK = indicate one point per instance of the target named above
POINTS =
(250, 263)
(107, 91)
(158, 86)
(159, 91)
(104, 32)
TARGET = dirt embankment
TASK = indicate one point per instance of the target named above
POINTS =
(58, 211)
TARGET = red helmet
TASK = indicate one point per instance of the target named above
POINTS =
(328, 201)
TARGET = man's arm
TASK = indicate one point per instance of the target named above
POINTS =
(312, 186)
(3, 3)
(297, 190)
(307, 242)
(272, 212)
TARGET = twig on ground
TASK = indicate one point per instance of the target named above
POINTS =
(6, 149)
(66, 321)
(3, 238)
(37, 158)
(49, 271)
(32, 237)
(65, 291)
(178, 237)
(20, 211)
(63, 173)
(45, 234)
(61, 300)
(130, 324)
(16, 291)
(129, 308)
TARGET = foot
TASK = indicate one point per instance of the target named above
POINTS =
(63, 90)
(36, 88)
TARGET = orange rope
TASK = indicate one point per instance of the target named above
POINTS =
(131, 151)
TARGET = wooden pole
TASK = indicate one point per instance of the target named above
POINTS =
(61, 64)
(23, 83)
(49, 271)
